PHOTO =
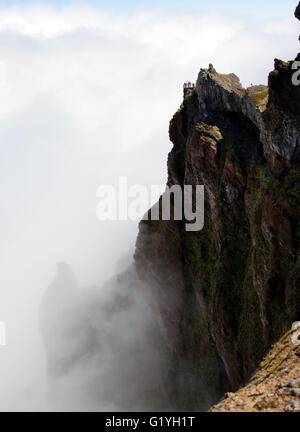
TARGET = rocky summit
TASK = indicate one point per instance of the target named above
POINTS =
(227, 293)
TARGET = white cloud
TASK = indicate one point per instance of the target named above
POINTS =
(87, 98)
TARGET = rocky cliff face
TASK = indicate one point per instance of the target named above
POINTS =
(276, 384)
(227, 293)
(297, 12)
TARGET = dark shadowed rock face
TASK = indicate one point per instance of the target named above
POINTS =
(282, 120)
(297, 12)
(282, 92)
(227, 293)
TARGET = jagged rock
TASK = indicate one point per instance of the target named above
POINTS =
(295, 383)
(297, 11)
(283, 123)
(282, 92)
(219, 92)
(263, 393)
(296, 334)
(260, 95)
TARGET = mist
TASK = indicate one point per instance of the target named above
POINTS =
(105, 349)
(86, 97)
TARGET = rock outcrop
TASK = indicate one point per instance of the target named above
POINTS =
(276, 384)
(297, 11)
(219, 93)
(283, 121)
(227, 293)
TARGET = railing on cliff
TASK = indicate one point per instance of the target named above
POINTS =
(187, 86)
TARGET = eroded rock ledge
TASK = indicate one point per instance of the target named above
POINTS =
(276, 384)
(280, 130)
(218, 93)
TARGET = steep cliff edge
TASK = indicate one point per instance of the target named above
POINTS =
(227, 293)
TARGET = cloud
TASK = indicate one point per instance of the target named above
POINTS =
(86, 97)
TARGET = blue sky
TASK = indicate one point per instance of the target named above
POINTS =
(259, 9)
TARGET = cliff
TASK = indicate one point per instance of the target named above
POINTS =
(297, 11)
(227, 293)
